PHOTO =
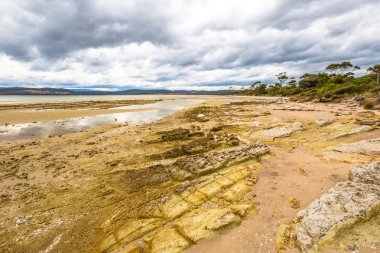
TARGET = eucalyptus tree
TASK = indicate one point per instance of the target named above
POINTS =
(282, 77)
(376, 71)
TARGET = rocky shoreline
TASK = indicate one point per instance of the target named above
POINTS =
(176, 183)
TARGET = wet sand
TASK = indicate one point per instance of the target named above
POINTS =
(17, 113)
(29, 116)
(134, 113)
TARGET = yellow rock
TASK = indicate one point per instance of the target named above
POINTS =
(204, 223)
(131, 230)
(241, 209)
(134, 248)
(251, 167)
(238, 175)
(294, 203)
(174, 207)
(211, 189)
(237, 192)
(224, 182)
(301, 171)
(166, 240)
(195, 198)
(253, 179)
(221, 202)
(284, 237)
(215, 199)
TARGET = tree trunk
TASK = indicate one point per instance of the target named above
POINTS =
(377, 77)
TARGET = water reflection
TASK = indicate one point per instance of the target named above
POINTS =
(45, 129)
(172, 103)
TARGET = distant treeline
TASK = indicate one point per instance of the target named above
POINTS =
(53, 91)
(336, 82)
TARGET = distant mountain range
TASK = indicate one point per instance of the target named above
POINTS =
(53, 91)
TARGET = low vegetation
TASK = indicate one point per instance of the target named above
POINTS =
(338, 81)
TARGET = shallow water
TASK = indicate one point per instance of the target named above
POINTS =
(21, 99)
(151, 112)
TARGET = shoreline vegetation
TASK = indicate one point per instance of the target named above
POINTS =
(336, 83)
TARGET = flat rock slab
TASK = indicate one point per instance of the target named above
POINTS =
(358, 130)
(367, 147)
(167, 240)
(133, 230)
(283, 131)
(205, 223)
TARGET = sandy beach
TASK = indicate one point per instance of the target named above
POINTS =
(219, 176)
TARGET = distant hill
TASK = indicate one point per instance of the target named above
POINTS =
(34, 91)
(53, 91)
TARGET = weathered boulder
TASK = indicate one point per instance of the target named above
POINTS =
(344, 207)
(198, 165)
(283, 131)
(366, 173)
(323, 122)
(338, 209)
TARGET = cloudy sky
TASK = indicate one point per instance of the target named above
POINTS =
(179, 44)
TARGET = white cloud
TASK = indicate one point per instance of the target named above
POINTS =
(180, 44)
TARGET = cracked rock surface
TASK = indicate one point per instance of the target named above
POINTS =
(340, 209)
(152, 188)
(366, 173)
(283, 131)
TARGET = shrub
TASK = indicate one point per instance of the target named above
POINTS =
(369, 104)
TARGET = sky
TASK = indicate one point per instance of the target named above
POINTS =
(180, 44)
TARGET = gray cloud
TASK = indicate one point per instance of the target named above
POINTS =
(179, 43)
(56, 27)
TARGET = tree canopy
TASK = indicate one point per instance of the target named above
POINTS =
(339, 81)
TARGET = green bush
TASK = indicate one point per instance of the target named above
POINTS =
(369, 104)
(337, 84)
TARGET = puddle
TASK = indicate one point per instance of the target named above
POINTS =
(149, 113)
